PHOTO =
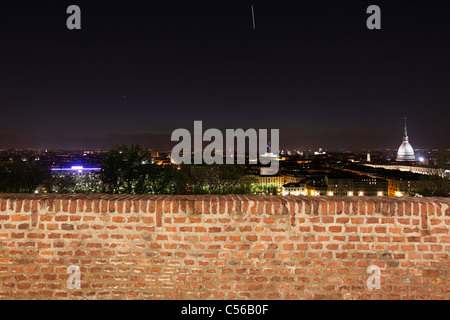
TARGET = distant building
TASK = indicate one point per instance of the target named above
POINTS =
(404, 186)
(154, 154)
(268, 181)
(320, 152)
(414, 169)
(406, 151)
(276, 181)
(370, 186)
(348, 184)
(292, 177)
(339, 184)
(316, 189)
(401, 180)
(295, 189)
(75, 179)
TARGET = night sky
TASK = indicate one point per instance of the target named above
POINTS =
(140, 69)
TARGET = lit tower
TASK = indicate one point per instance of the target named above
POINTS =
(406, 151)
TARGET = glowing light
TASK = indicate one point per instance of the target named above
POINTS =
(421, 159)
(350, 194)
(398, 194)
(330, 193)
(76, 168)
(380, 193)
(361, 194)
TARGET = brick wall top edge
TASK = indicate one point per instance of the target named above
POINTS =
(111, 197)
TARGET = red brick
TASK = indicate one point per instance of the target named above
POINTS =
(225, 247)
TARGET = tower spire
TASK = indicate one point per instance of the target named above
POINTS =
(406, 131)
(406, 151)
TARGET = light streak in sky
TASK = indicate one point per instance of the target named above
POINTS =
(253, 18)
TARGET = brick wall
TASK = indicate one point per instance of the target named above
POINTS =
(223, 247)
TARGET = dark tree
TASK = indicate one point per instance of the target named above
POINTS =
(121, 169)
(436, 187)
(129, 170)
(442, 160)
(153, 179)
(21, 178)
(212, 179)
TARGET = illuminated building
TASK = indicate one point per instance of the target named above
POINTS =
(295, 189)
(75, 171)
(320, 152)
(292, 178)
(270, 181)
(339, 184)
(406, 151)
(154, 154)
(349, 184)
(316, 190)
(399, 181)
(76, 179)
(414, 169)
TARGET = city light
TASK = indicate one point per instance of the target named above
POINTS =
(76, 168)
(330, 193)
(398, 194)
(350, 194)
(361, 194)
(380, 193)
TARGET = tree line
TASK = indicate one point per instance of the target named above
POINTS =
(130, 170)
(21, 177)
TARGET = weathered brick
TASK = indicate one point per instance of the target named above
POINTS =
(200, 247)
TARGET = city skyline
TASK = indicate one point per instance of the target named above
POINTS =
(135, 72)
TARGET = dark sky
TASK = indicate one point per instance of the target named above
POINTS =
(139, 68)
